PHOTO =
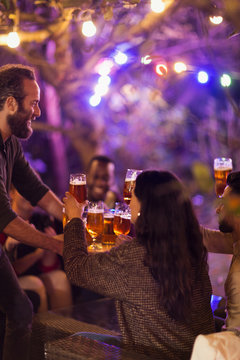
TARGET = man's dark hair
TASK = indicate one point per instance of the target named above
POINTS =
(233, 180)
(11, 82)
(101, 158)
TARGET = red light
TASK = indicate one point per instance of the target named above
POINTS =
(161, 69)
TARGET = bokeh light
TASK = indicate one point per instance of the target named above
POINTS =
(225, 80)
(216, 20)
(104, 67)
(95, 100)
(120, 58)
(104, 80)
(146, 60)
(179, 67)
(202, 77)
(88, 28)
(157, 6)
(161, 69)
(13, 40)
(101, 89)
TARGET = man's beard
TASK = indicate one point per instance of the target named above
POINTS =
(225, 227)
(18, 124)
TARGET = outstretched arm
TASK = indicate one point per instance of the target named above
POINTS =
(217, 241)
(52, 205)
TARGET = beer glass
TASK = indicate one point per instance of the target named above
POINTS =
(129, 183)
(108, 233)
(222, 167)
(122, 219)
(78, 188)
(95, 218)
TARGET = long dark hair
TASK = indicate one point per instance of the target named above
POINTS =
(168, 228)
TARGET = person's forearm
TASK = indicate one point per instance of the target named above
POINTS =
(23, 264)
(217, 242)
(52, 205)
(22, 231)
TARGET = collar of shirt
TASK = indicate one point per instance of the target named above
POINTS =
(3, 144)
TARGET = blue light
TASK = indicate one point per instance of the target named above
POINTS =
(120, 58)
(202, 77)
(95, 100)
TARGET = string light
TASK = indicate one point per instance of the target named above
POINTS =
(216, 20)
(104, 80)
(120, 58)
(157, 6)
(225, 80)
(101, 89)
(161, 69)
(104, 67)
(179, 67)
(88, 28)
(95, 100)
(202, 77)
(13, 40)
(146, 60)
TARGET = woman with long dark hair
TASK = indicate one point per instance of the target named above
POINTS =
(159, 279)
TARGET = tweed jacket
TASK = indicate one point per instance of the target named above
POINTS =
(122, 275)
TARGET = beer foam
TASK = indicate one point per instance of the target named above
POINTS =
(108, 216)
(126, 217)
(95, 211)
(78, 182)
(223, 168)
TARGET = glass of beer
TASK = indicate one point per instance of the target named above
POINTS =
(95, 222)
(222, 167)
(129, 183)
(108, 233)
(122, 219)
(78, 188)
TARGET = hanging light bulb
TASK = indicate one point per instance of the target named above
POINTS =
(179, 67)
(216, 20)
(88, 28)
(202, 77)
(13, 39)
(225, 80)
(120, 58)
(161, 69)
(157, 6)
(95, 100)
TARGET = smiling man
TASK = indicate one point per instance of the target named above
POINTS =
(19, 106)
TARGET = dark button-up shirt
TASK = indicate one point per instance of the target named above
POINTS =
(122, 275)
(15, 169)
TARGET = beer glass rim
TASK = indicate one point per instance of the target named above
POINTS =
(77, 175)
(222, 161)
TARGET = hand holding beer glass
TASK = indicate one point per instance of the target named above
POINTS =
(95, 222)
(222, 167)
(78, 188)
(122, 219)
(130, 179)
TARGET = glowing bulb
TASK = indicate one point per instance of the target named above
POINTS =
(157, 6)
(216, 20)
(104, 67)
(101, 89)
(179, 67)
(95, 100)
(161, 69)
(120, 58)
(104, 80)
(202, 77)
(225, 80)
(13, 39)
(146, 60)
(88, 28)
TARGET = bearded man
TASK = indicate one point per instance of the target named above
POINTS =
(19, 106)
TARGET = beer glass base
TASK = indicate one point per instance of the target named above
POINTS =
(95, 246)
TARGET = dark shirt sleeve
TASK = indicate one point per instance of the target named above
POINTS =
(6, 212)
(25, 180)
(105, 273)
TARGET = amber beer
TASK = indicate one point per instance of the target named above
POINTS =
(78, 187)
(122, 224)
(108, 233)
(127, 191)
(95, 222)
(222, 167)
(129, 184)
